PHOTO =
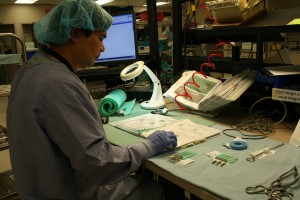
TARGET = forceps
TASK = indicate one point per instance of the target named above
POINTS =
(273, 193)
(277, 189)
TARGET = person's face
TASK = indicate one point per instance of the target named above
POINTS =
(91, 48)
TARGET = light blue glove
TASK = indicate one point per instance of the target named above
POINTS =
(162, 139)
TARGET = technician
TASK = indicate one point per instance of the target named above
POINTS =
(58, 146)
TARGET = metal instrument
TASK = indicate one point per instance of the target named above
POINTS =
(252, 156)
(181, 156)
(278, 189)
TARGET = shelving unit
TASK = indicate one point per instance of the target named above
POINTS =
(143, 42)
(9, 59)
(266, 28)
(7, 185)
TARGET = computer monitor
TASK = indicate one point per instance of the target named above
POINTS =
(121, 42)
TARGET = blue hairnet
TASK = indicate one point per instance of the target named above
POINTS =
(56, 26)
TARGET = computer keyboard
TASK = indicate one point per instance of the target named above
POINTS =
(97, 89)
(99, 71)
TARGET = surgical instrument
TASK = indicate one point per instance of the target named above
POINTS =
(278, 189)
(181, 156)
(252, 156)
(221, 159)
(273, 193)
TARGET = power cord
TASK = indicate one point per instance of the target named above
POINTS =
(257, 123)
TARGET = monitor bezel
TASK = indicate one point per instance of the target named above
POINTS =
(122, 62)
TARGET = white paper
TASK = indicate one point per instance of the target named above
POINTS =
(188, 132)
(295, 138)
(142, 123)
(212, 94)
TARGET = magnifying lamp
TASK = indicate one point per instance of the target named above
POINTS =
(134, 70)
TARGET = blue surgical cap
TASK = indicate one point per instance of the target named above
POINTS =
(56, 26)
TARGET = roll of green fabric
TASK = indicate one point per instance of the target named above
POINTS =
(111, 103)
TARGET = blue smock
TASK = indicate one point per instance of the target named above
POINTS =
(58, 146)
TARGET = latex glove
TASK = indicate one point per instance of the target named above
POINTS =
(162, 139)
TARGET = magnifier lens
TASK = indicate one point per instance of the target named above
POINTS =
(131, 69)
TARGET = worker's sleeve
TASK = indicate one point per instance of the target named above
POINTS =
(74, 125)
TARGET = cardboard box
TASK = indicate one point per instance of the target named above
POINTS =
(228, 11)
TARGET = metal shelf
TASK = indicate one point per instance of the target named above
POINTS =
(7, 186)
(268, 27)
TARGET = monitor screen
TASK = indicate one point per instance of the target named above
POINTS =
(121, 42)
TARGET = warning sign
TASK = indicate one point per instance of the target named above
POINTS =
(286, 95)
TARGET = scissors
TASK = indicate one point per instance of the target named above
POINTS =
(277, 189)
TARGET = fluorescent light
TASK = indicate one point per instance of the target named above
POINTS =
(101, 2)
(160, 3)
(25, 1)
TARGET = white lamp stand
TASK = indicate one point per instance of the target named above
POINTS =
(134, 70)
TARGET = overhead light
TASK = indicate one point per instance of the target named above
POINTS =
(101, 2)
(160, 3)
(25, 1)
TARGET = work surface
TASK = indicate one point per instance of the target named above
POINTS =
(209, 181)
(201, 177)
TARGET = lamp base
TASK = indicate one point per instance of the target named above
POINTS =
(151, 105)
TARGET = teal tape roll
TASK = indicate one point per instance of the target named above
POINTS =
(238, 145)
(111, 103)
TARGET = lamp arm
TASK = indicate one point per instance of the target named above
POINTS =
(156, 100)
(152, 76)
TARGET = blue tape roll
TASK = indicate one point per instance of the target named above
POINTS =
(238, 145)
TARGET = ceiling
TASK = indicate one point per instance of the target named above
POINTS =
(118, 3)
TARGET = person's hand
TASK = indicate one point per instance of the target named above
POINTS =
(162, 139)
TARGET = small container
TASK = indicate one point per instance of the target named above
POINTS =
(144, 16)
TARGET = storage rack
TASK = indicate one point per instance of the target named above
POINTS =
(6, 59)
(266, 28)
(7, 184)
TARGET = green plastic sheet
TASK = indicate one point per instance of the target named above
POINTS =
(111, 103)
(115, 102)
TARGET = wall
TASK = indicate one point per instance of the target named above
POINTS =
(281, 4)
(21, 14)
(17, 16)
(28, 14)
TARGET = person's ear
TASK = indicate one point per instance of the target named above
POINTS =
(75, 34)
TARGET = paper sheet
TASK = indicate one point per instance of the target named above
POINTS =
(139, 124)
(188, 132)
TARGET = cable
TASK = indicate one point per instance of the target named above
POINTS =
(137, 10)
(256, 123)
(246, 136)
(264, 98)
(278, 52)
(193, 82)
(208, 13)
